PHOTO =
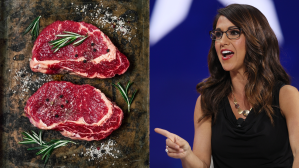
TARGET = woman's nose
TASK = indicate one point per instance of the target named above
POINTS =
(224, 40)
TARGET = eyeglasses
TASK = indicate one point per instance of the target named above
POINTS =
(231, 33)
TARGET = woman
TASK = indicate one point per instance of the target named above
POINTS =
(247, 114)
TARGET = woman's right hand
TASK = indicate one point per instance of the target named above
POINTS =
(200, 156)
(177, 147)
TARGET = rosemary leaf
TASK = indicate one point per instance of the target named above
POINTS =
(66, 35)
(68, 38)
(29, 136)
(35, 136)
(46, 148)
(31, 25)
(80, 41)
(53, 141)
(68, 32)
(40, 137)
(51, 148)
(34, 27)
(54, 41)
(34, 133)
(58, 43)
(26, 134)
(26, 138)
(71, 40)
(61, 144)
(35, 148)
(37, 30)
(27, 142)
(124, 93)
(47, 158)
(43, 150)
(133, 96)
(61, 42)
(128, 85)
(28, 28)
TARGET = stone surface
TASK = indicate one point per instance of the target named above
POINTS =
(126, 147)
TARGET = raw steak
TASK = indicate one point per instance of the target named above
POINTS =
(77, 111)
(96, 57)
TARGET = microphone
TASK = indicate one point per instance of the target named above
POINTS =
(239, 122)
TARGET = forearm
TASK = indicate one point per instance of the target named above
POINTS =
(296, 162)
(192, 161)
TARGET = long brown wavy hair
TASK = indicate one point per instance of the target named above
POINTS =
(262, 64)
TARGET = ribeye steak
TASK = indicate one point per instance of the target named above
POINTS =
(77, 111)
(96, 57)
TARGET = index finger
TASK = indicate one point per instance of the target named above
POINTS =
(165, 133)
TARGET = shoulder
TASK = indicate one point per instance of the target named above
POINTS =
(287, 92)
(198, 101)
(198, 113)
(197, 110)
(288, 99)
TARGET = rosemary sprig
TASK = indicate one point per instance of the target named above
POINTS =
(46, 148)
(67, 39)
(124, 93)
(35, 28)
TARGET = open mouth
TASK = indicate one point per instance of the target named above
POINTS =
(227, 53)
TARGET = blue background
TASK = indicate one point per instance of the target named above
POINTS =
(179, 61)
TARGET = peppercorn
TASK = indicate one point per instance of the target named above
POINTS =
(94, 50)
(92, 44)
(62, 106)
(108, 50)
(76, 55)
(84, 61)
(47, 100)
(56, 115)
(61, 96)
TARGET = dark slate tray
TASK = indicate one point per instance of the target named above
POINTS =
(126, 147)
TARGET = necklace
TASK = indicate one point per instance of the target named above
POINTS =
(237, 106)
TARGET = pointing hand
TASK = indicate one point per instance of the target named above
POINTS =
(177, 147)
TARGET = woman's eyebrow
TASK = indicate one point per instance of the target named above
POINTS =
(231, 27)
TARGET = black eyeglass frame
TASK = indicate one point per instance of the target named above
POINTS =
(240, 29)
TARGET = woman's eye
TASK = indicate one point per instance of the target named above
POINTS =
(234, 32)
(218, 34)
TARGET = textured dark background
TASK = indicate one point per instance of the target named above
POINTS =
(131, 139)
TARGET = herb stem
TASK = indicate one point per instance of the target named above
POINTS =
(68, 38)
(124, 93)
(46, 148)
(34, 27)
